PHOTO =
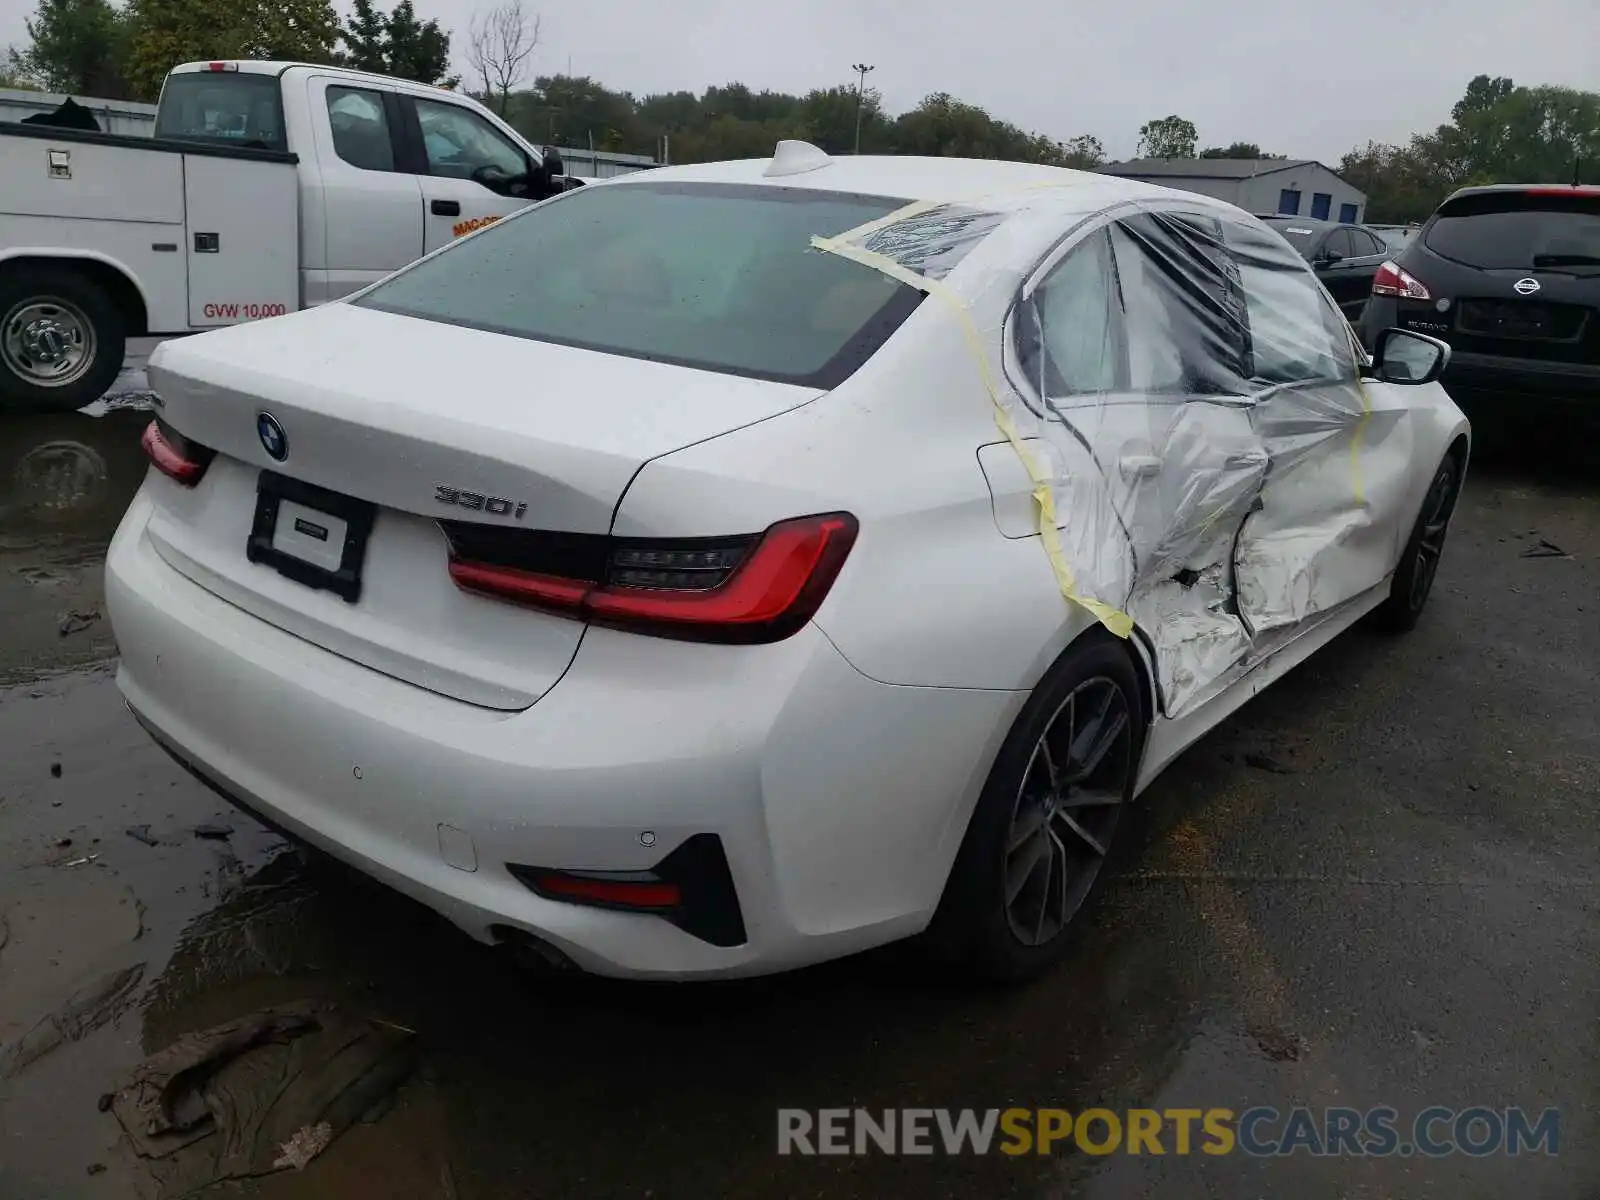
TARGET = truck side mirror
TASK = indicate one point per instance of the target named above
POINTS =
(554, 168)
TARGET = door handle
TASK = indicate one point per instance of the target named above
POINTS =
(445, 208)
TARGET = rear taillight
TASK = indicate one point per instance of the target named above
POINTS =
(1392, 281)
(175, 455)
(754, 589)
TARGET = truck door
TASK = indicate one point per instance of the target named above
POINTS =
(469, 167)
(370, 208)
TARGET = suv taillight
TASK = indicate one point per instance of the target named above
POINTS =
(760, 588)
(1392, 281)
(175, 455)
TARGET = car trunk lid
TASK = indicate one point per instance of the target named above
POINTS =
(399, 423)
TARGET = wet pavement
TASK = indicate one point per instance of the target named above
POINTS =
(1376, 887)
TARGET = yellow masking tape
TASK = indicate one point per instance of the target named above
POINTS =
(1117, 621)
(1357, 481)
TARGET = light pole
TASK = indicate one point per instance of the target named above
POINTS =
(861, 70)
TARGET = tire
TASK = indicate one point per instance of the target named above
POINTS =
(1056, 847)
(1419, 562)
(62, 339)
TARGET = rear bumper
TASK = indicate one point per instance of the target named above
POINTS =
(1487, 379)
(839, 801)
(1569, 385)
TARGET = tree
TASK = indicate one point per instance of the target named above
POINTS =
(365, 36)
(168, 32)
(1236, 150)
(827, 118)
(571, 110)
(499, 44)
(76, 46)
(397, 44)
(17, 72)
(1167, 137)
(1499, 133)
(416, 49)
(944, 126)
(1085, 152)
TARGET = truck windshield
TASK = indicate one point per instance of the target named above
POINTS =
(722, 277)
(235, 108)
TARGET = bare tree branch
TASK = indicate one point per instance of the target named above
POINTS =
(499, 44)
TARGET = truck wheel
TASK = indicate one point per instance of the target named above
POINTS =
(61, 339)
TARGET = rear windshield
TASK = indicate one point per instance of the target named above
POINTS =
(720, 277)
(1518, 231)
(236, 108)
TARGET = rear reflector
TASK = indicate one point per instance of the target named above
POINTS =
(1390, 280)
(174, 455)
(692, 888)
(753, 589)
(624, 893)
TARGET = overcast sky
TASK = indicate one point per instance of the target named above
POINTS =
(1305, 80)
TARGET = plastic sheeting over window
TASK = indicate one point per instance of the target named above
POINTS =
(1205, 461)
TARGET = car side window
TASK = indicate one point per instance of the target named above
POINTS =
(1070, 333)
(1338, 242)
(1185, 311)
(1297, 335)
(459, 144)
(1366, 243)
(360, 128)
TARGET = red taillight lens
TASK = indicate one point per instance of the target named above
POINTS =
(1392, 281)
(622, 893)
(758, 589)
(782, 579)
(174, 455)
(512, 583)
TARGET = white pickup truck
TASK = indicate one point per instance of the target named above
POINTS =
(267, 187)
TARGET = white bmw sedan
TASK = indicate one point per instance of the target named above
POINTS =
(741, 565)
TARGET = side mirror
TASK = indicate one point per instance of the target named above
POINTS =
(1327, 258)
(1402, 356)
(554, 168)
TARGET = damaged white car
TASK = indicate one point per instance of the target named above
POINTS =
(741, 565)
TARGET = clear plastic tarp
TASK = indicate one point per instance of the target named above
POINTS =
(1206, 463)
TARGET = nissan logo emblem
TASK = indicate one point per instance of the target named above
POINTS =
(1526, 287)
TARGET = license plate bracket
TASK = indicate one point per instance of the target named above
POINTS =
(279, 497)
(1505, 319)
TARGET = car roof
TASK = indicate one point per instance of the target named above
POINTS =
(263, 66)
(1312, 222)
(1545, 189)
(914, 178)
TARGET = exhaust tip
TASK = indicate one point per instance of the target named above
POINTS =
(531, 953)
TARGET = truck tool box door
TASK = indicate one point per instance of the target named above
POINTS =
(242, 239)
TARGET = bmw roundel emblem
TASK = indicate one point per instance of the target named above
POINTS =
(273, 439)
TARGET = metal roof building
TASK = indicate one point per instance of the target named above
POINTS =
(1296, 187)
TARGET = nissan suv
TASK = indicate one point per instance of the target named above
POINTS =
(1509, 276)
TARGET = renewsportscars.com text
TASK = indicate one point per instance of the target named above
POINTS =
(1259, 1131)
